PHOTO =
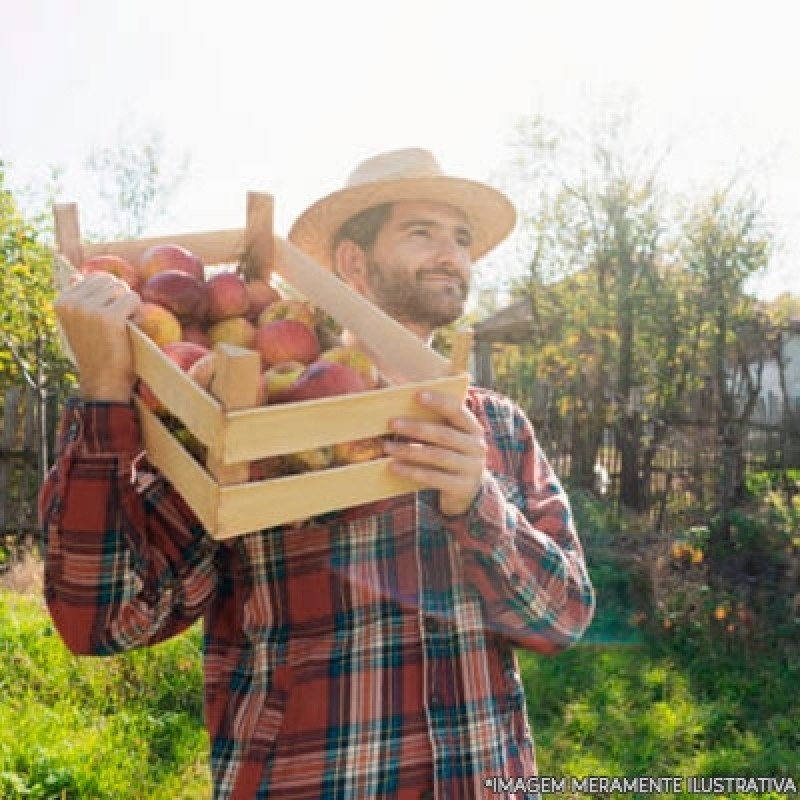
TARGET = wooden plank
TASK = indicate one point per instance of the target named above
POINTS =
(188, 477)
(195, 407)
(211, 247)
(235, 385)
(258, 236)
(293, 427)
(68, 232)
(256, 506)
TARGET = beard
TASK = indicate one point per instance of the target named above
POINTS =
(418, 298)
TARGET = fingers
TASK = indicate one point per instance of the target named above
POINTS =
(448, 455)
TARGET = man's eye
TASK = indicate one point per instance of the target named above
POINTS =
(465, 240)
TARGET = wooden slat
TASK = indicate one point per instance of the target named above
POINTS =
(293, 427)
(462, 348)
(211, 247)
(254, 506)
(235, 385)
(196, 408)
(188, 477)
(68, 232)
(258, 235)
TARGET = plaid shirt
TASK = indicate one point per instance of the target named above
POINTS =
(365, 654)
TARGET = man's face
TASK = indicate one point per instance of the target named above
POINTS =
(419, 267)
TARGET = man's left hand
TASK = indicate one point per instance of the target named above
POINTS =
(448, 455)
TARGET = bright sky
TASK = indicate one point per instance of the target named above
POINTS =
(287, 97)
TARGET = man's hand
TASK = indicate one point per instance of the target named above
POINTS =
(449, 455)
(93, 315)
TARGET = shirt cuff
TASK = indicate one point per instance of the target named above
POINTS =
(102, 428)
(482, 525)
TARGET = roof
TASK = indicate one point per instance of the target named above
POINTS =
(511, 324)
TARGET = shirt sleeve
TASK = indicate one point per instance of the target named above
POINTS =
(518, 540)
(126, 562)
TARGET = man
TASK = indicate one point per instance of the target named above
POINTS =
(368, 653)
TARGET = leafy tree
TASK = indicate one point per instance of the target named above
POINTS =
(30, 348)
(726, 241)
(133, 184)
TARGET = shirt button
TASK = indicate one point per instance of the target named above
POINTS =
(515, 580)
(431, 624)
(426, 795)
(435, 703)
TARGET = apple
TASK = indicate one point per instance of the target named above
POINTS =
(114, 265)
(157, 322)
(355, 359)
(261, 295)
(289, 308)
(195, 332)
(279, 377)
(310, 460)
(269, 467)
(358, 450)
(324, 379)
(184, 295)
(233, 330)
(185, 355)
(202, 371)
(161, 257)
(286, 340)
(227, 296)
(192, 444)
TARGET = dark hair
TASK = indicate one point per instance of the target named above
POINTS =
(363, 228)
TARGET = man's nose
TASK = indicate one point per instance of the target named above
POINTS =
(449, 252)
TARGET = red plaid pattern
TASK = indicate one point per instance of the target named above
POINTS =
(366, 654)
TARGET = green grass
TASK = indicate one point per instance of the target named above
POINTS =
(131, 726)
(642, 710)
(122, 728)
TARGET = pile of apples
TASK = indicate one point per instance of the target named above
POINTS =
(186, 314)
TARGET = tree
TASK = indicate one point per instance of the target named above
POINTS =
(30, 348)
(727, 240)
(133, 184)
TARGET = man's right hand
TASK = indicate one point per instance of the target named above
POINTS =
(93, 314)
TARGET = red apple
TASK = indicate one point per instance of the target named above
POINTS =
(261, 295)
(114, 265)
(289, 308)
(325, 379)
(233, 330)
(269, 467)
(162, 257)
(280, 377)
(185, 355)
(194, 332)
(355, 359)
(286, 340)
(157, 322)
(227, 296)
(202, 371)
(184, 295)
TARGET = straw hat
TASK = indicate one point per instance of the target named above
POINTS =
(411, 174)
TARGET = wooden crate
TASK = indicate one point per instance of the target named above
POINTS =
(235, 432)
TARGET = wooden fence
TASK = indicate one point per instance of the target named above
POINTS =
(27, 429)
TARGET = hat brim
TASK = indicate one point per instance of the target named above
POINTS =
(490, 214)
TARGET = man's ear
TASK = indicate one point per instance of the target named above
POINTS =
(350, 264)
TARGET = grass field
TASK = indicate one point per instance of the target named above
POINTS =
(131, 727)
